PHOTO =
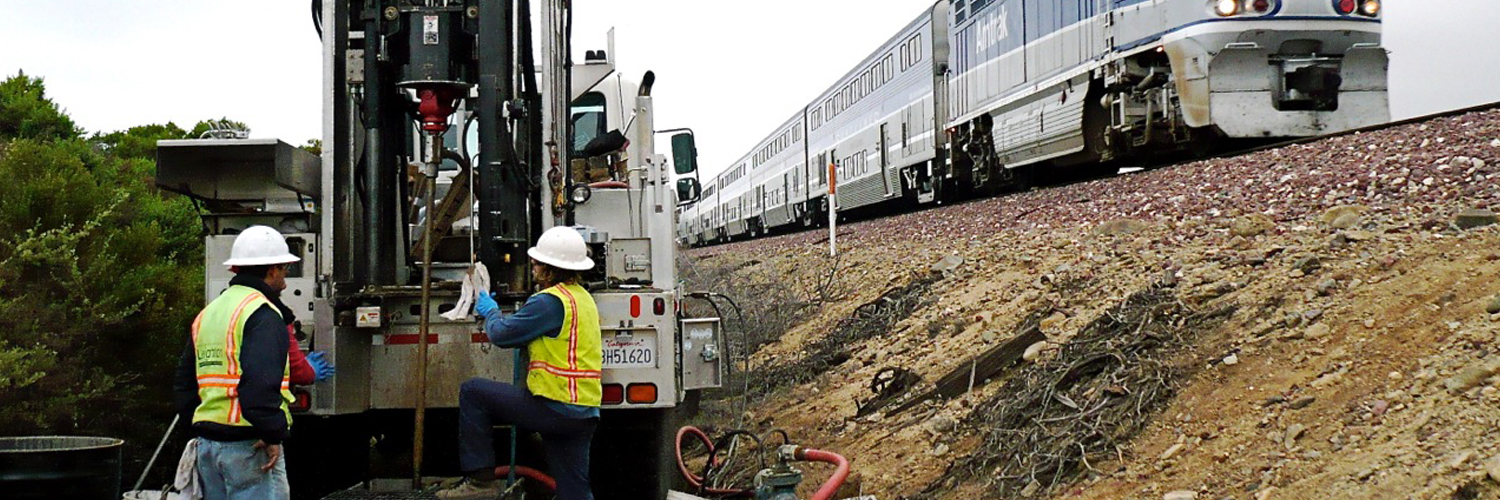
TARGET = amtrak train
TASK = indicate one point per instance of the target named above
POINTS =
(980, 96)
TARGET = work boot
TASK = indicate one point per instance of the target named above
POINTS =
(470, 489)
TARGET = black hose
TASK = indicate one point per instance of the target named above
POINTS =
(317, 17)
(723, 443)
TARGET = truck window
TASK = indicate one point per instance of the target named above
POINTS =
(588, 120)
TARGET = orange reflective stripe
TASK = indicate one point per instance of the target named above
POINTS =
(230, 354)
(564, 372)
(196, 322)
(572, 339)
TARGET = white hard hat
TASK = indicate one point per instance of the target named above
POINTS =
(562, 247)
(259, 246)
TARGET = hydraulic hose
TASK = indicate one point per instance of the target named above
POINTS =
(524, 471)
(840, 471)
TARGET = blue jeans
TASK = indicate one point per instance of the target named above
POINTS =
(230, 470)
(484, 403)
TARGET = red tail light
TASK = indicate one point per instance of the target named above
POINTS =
(659, 306)
(1345, 6)
(1262, 5)
(302, 401)
(613, 394)
(635, 302)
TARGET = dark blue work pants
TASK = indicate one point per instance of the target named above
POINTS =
(484, 404)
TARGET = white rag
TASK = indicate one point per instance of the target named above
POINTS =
(478, 278)
(187, 473)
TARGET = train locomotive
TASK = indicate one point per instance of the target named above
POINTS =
(980, 96)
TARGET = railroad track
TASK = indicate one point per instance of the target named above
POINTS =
(1170, 164)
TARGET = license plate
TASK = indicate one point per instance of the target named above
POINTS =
(629, 352)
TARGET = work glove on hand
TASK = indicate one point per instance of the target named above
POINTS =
(484, 304)
(322, 370)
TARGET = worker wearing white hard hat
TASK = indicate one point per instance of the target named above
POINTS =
(233, 381)
(559, 327)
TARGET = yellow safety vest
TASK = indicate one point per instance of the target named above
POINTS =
(218, 333)
(567, 368)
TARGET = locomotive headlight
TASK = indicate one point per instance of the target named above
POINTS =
(1370, 8)
(1227, 8)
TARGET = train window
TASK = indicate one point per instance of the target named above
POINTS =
(588, 120)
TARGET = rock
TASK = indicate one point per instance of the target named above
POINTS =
(1358, 235)
(1327, 286)
(1031, 488)
(1180, 495)
(1307, 264)
(1172, 450)
(1317, 331)
(1312, 314)
(1459, 459)
(1273, 400)
(1119, 227)
(1343, 216)
(1034, 351)
(1472, 376)
(1265, 494)
(947, 264)
(1380, 406)
(1369, 324)
(1492, 468)
(939, 450)
(1053, 323)
(1302, 402)
(1231, 360)
(941, 424)
(1494, 307)
(1475, 217)
(1251, 225)
(1329, 378)
(1346, 221)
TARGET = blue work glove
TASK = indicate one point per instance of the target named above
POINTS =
(321, 369)
(484, 304)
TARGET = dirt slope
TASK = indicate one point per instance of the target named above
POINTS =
(1357, 362)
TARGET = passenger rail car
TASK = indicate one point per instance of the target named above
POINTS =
(975, 96)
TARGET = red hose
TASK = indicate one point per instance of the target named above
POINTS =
(524, 471)
(840, 471)
(693, 479)
(609, 185)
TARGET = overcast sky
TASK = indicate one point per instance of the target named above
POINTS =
(729, 70)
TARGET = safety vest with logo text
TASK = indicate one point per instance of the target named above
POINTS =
(218, 333)
(567, 368)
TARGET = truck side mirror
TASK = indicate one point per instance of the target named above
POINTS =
(688, 190)
(684, 154)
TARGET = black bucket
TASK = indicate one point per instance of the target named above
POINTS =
(52, 467)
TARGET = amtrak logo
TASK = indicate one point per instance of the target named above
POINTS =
(993, 30)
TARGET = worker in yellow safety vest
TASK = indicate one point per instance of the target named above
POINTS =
(233, 381)
(559, 327)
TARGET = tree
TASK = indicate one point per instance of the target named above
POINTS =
(25, 111)
(100, 274)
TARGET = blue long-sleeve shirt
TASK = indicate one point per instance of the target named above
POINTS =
(541, 315)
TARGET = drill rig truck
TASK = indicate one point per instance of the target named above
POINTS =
(442, 125)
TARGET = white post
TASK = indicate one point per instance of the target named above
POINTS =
(833, 210)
